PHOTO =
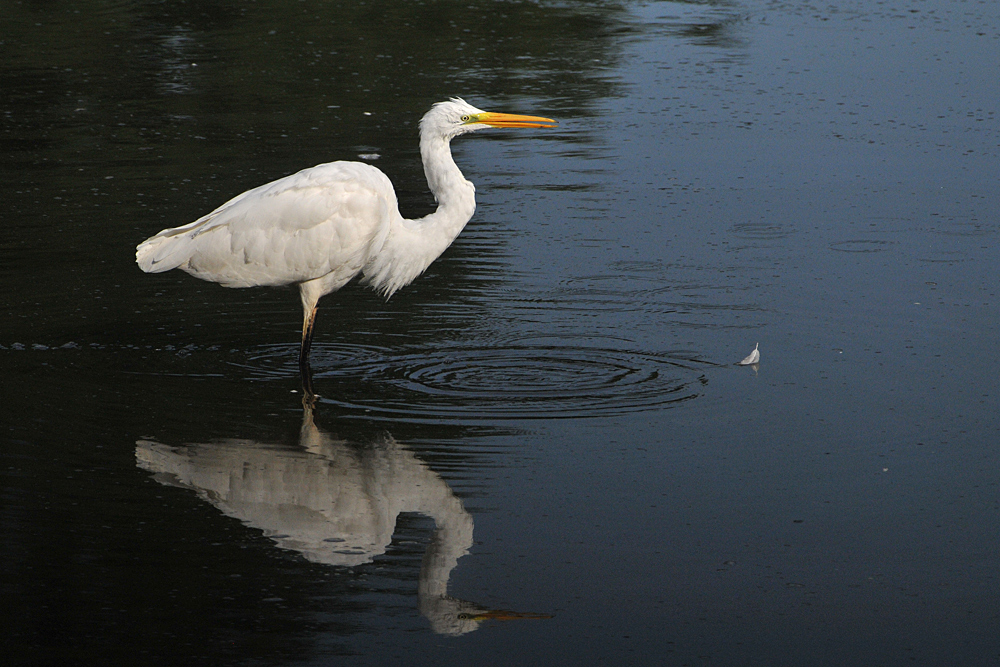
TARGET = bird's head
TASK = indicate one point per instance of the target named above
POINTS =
(456, 116)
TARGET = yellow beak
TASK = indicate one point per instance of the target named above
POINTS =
(511, 120)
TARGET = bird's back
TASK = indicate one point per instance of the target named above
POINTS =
(327, 220)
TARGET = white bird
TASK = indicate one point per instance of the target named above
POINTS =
(753, 357)
(323, 226)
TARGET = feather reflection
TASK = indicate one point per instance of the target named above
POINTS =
(333, 502)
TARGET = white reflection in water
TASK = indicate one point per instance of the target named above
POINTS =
(333, 502)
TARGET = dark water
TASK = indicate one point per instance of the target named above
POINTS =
(548, 423)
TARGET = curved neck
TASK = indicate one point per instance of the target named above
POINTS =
(456, 197)
(411, 245)
(452, 539)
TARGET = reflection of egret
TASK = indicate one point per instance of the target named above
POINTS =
(323, 226)
(332, 502)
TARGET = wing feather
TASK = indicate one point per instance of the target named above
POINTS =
(329, 219)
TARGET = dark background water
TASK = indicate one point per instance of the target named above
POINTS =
(549, 420)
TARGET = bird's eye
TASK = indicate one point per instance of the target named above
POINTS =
(466, 119)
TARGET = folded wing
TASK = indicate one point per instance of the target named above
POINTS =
(329, 219)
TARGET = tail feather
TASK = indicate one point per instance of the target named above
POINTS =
(162, 253)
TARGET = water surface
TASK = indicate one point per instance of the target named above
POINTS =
(542, 451)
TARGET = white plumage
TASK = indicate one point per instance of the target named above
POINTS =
(753, 357)
(329, 219)
(323, 226)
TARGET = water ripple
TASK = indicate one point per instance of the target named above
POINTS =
(521, 381)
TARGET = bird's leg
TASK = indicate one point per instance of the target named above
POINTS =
(308, 395)
(310, 291)
(307, 334)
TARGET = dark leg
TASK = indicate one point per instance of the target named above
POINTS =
(307, 335)
(305, 372)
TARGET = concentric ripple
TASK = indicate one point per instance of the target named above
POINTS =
(509, 382)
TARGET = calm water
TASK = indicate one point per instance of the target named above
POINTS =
(549, 423)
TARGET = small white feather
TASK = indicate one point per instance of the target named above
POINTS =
(753, 357)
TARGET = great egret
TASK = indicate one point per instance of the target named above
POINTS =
(323, 226)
